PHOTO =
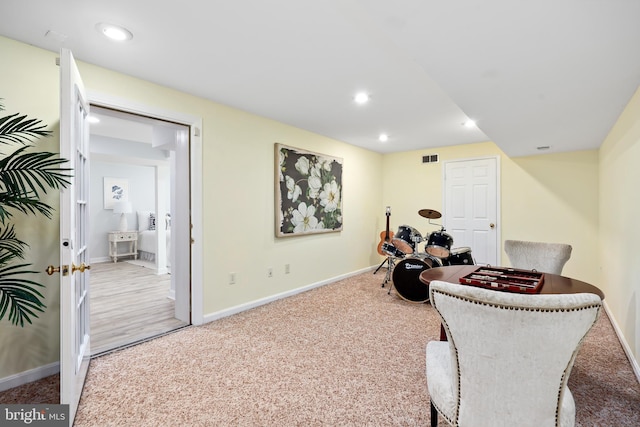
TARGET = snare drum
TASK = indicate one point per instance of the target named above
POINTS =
(406, 278)
(459, 256)
(406, 239)
(391, 250)
(439, 244)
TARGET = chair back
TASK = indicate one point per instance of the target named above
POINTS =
(540, 256)
(511, 353)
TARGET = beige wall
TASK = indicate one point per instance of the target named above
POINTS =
(619, 253)
(551, 198)
(554, 198)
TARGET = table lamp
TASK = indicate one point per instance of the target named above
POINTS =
(122, 208)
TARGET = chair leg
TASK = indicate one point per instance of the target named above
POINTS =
(434, 415)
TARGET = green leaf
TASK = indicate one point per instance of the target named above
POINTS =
(26, 205)
(26, 172)
(10, 246)
(19, 296)
(18, 128)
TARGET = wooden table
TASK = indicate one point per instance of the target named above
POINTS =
(116, 237)
(553, 283)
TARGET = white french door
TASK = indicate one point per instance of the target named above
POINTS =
(74, 215)
(471, 207)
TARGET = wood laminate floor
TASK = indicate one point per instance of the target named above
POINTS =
(128, 303)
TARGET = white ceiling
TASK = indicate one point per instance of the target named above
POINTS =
(123, 127)
(551, 73)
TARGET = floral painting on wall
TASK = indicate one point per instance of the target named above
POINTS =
(308, 192)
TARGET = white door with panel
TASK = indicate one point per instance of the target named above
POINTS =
(74, 215)
(471, 200)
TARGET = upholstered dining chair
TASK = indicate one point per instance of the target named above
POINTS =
(540, 256)
(508, 356)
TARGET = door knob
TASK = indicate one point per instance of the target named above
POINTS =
(82, 267)
(51, 269)
(492, 225)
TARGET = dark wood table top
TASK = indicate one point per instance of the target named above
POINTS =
(553, 283)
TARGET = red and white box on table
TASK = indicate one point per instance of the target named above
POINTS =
(505, 279)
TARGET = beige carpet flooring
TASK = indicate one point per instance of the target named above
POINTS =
(345, 354)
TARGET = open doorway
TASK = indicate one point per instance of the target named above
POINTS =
(135, 171)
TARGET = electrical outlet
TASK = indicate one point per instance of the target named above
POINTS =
(232, 278)
(269, 272)
(287, 269)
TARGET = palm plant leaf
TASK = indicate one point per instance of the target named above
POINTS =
(25, 204)
(19, 296)
(24, 172)
(18, 128)
(10, 246)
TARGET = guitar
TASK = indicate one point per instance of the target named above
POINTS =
(386, 235)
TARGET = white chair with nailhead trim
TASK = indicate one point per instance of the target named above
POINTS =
(540, 256)
(508, 356)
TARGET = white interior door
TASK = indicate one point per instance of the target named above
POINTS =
(74, 215)
(471, 207)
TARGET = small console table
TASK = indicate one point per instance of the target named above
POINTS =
(116, 237)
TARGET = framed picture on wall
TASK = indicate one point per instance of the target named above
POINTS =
(308, 192)
(115, 190)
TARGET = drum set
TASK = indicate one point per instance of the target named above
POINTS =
(405, 261)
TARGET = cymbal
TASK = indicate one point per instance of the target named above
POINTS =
(429, 213)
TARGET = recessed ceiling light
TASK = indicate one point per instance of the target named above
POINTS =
(469, 123)
(383, 137)
(361, 98)
(114, 32)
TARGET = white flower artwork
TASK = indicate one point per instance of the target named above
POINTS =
(308, 192)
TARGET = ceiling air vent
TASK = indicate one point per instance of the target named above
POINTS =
(430, 158)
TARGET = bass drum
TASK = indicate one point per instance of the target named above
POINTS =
(459, 256)
(406, 278)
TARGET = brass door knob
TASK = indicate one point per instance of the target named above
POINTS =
(51, 269)
(82, 267)
(492, 225)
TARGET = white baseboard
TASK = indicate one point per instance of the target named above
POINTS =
(31, 375)
(623, 342)
(257, 303)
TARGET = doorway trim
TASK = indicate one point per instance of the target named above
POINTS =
(195, 164)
